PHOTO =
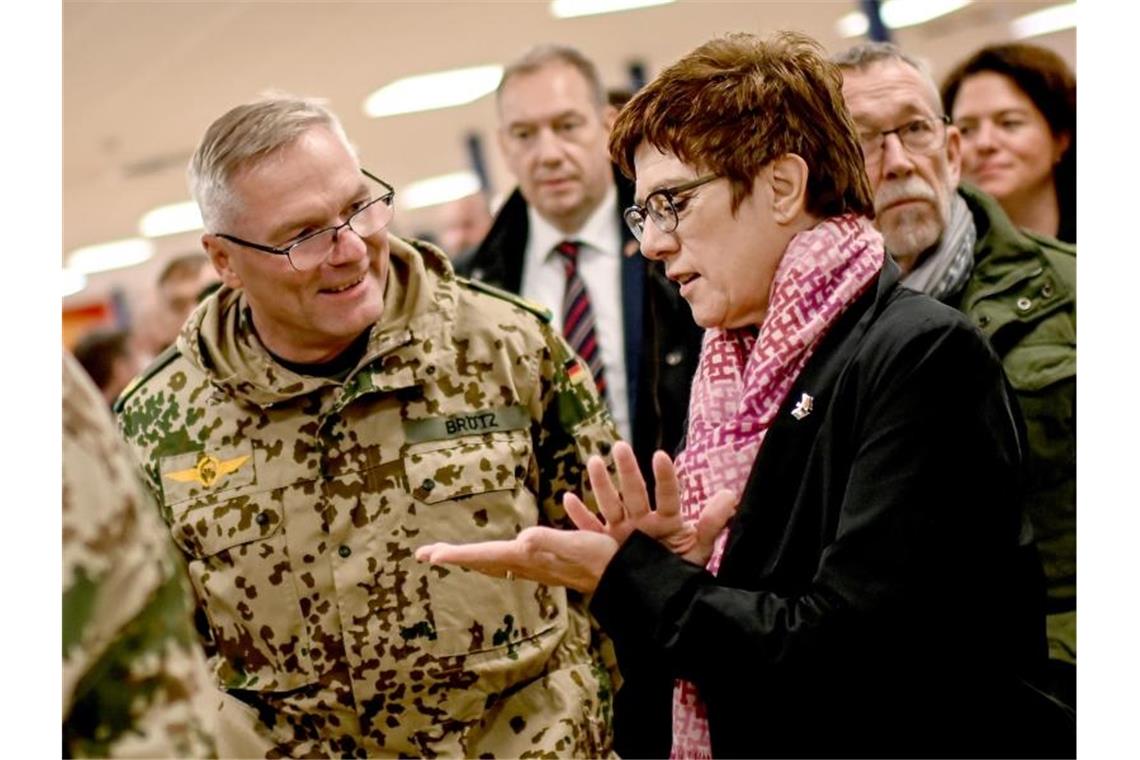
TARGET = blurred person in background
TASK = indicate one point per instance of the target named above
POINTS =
(109, 356)
(340, 399)
(835, 616)
(956, 243)
(462, 224)
(1016, 107)
(183, 281)
(559, 240)
(135, 683)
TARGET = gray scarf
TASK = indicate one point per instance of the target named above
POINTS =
(943, 273)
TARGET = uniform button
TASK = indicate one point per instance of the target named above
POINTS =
(262, 518)
(1047, 290)
(1024, 304)
(674, 357)
(428, 484)
(983, 321)
(344, 551)
(604, 447)
(430, 369)
(520, 471)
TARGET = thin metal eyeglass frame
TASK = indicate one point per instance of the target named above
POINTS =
(387, 198)
(944, 120)
(668, 193)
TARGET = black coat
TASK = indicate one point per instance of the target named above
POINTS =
(662, 343)
(878, 595)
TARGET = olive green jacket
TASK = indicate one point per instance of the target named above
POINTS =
(1022, 294)
(298, 503)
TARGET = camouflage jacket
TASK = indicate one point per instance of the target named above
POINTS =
(134, 680)
(298, 501)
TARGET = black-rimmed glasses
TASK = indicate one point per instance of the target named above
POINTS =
(312, 250)
(661, 207)
(920, 137)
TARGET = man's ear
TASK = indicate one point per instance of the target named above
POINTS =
(789, 178)
(609, 116)
(953, 155)
(220, 258)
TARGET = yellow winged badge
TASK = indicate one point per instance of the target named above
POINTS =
(208, 470)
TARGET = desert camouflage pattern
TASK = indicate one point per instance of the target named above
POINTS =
(135, 683)
(298, 502)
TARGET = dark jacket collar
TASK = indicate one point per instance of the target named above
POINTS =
(499, 258)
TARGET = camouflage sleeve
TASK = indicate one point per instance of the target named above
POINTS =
(576, 424)
(135, 683)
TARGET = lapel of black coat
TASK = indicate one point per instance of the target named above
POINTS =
(765, 507)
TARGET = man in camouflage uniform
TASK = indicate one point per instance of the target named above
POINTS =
(342, 400)
(134, 680)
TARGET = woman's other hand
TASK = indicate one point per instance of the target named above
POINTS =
(572, 558)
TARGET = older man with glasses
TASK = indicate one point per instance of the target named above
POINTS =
(340, 400)
(955, 243)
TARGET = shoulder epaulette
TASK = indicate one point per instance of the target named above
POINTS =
(166, 357)
(537, 309)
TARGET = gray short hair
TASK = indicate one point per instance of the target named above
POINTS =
(540, 56)
(865, 54)
(245, 135)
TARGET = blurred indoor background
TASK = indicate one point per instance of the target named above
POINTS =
(142, 81)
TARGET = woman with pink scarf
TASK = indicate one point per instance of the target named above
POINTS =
(834, 564)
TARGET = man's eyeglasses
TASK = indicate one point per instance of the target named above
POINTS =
(661, 207)
(920, 137)
(312, 250)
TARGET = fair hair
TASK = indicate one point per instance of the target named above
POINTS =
(541, 56)
(864, 55)
(244, 136)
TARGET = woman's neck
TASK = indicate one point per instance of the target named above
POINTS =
(1035, 209)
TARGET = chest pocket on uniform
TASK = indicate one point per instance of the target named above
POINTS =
(240, 568)
(477, 488)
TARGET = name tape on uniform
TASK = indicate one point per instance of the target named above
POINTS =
(468, 423)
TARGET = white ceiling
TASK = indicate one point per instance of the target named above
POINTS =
(142, 81)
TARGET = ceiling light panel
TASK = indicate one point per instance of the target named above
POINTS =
(114, 255)
(574, 8)
(1054, 19)
(427, 92)
(170, 220)
(898, 14)
(435, 190)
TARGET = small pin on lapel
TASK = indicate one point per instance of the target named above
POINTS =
(802, 409)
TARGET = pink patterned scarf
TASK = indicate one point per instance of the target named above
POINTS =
(741, 383)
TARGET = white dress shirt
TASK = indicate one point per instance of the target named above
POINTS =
(599, 266)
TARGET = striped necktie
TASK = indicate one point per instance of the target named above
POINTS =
(578, 316)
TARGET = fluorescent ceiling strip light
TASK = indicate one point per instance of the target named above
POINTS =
(574, 8)
(171, 219)
(442, 189)
(114, 255)
(1053, 19)
(427, 92)
(73, 282)
(898, 14)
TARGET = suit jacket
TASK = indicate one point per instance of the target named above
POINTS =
(872, 536)
(662, 343)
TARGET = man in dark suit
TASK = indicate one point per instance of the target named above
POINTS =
(638, 335)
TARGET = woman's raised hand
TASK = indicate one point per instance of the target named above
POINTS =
(626, 507)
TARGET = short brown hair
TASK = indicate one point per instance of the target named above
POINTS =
(738, 102)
